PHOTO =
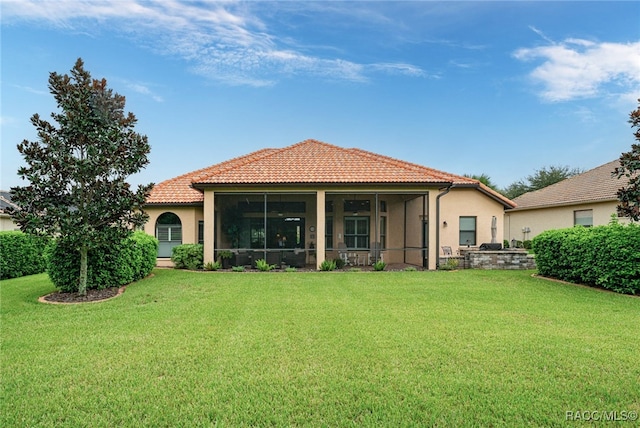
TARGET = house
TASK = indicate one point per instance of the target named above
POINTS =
(6, 223)
(587, 199)
(313, 201)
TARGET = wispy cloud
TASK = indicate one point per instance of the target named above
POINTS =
(224, 41)
(143, 89)
(578, 68)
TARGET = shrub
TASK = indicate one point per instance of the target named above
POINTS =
(339, 263)
(237, 268)
(110, 266)
(328, 265)
(188, 256)
(451, 264)
(263, 266)
(604, 256)
(379, 265)
(290, 269)
(21, 254)
(212, 266)
(410, 269)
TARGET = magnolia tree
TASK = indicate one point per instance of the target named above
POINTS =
(629, 195)
(78, 167)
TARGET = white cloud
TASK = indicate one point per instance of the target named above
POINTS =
(577, 68)
(223, 41)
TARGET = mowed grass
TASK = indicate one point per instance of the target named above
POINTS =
(183, 349)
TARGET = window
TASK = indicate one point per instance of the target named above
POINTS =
(356, 233)
(328, 236)
(356, 205)
(201, 232)
(583, 218)
(467, 231)
(168, 232)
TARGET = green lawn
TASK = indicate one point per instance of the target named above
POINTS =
(466, 348)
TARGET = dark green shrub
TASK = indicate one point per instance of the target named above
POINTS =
(21, 254)
(328, 265)
(111, 266)
(339, 263)
(188, 256)
(262, 265)
(604, 256)
(505, 244)
(379, 265)
(526, 244)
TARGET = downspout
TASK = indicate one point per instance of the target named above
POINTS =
(438, 223)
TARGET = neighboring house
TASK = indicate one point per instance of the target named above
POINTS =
(5, 219)
(586, 199)
(313, 201)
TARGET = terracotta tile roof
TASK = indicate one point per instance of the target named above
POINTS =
(307, 162)
(595, 185)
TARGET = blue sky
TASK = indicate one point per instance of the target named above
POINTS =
(502, 88)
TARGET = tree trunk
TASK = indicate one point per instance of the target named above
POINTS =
(82, 286)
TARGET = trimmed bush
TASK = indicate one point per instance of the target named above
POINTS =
(21, 254)
(188, 256)
(603, 256)
(113, 266)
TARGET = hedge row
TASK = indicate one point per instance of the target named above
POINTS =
(603, 256)
(112, 266)
(187, 256)
(21, 254)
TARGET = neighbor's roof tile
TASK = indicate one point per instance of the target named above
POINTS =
(595, 185)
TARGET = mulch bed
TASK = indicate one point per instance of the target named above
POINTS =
(92, 295)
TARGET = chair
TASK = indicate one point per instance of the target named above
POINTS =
(447, 252)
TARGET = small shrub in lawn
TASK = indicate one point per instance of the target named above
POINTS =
(237, 268)
(262, 265)
(379, 266)
(339, 263)
(328, 265)
(290, 269)
(355, 269)
(21, 254)
(188, 256)
(212, 266)
(451, 264)
(410, 269)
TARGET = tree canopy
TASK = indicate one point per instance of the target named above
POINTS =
(77, 170)
(629, 195)
(541, 178)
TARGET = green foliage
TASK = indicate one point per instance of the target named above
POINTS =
(328, 265)
(527, 244)
(21, 254)
(237, 268)
(212, 266)
(484, 179)
(543, 177)
(77, 170)
(188, 256)
(506, 243)
(629, 195)
(410, 269)
(451, 264)
(603, 256)
(290, 269)
(379, 265)
(262, 265)
(131, 259)
(339, 263)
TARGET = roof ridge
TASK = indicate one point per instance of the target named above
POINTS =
(227, 165)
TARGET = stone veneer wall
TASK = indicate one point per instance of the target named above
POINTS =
(504, 259)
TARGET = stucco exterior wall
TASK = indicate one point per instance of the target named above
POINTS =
(539, 220)
(189, 216)
(7, 224)
(468, 202)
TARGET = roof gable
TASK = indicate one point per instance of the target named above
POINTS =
(308, 162)
(595, 185)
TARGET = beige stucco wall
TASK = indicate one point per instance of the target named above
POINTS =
(189, 216)
(468, 202)
(539, 220)
(6, 223)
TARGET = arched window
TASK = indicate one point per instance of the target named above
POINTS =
(168, 232)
